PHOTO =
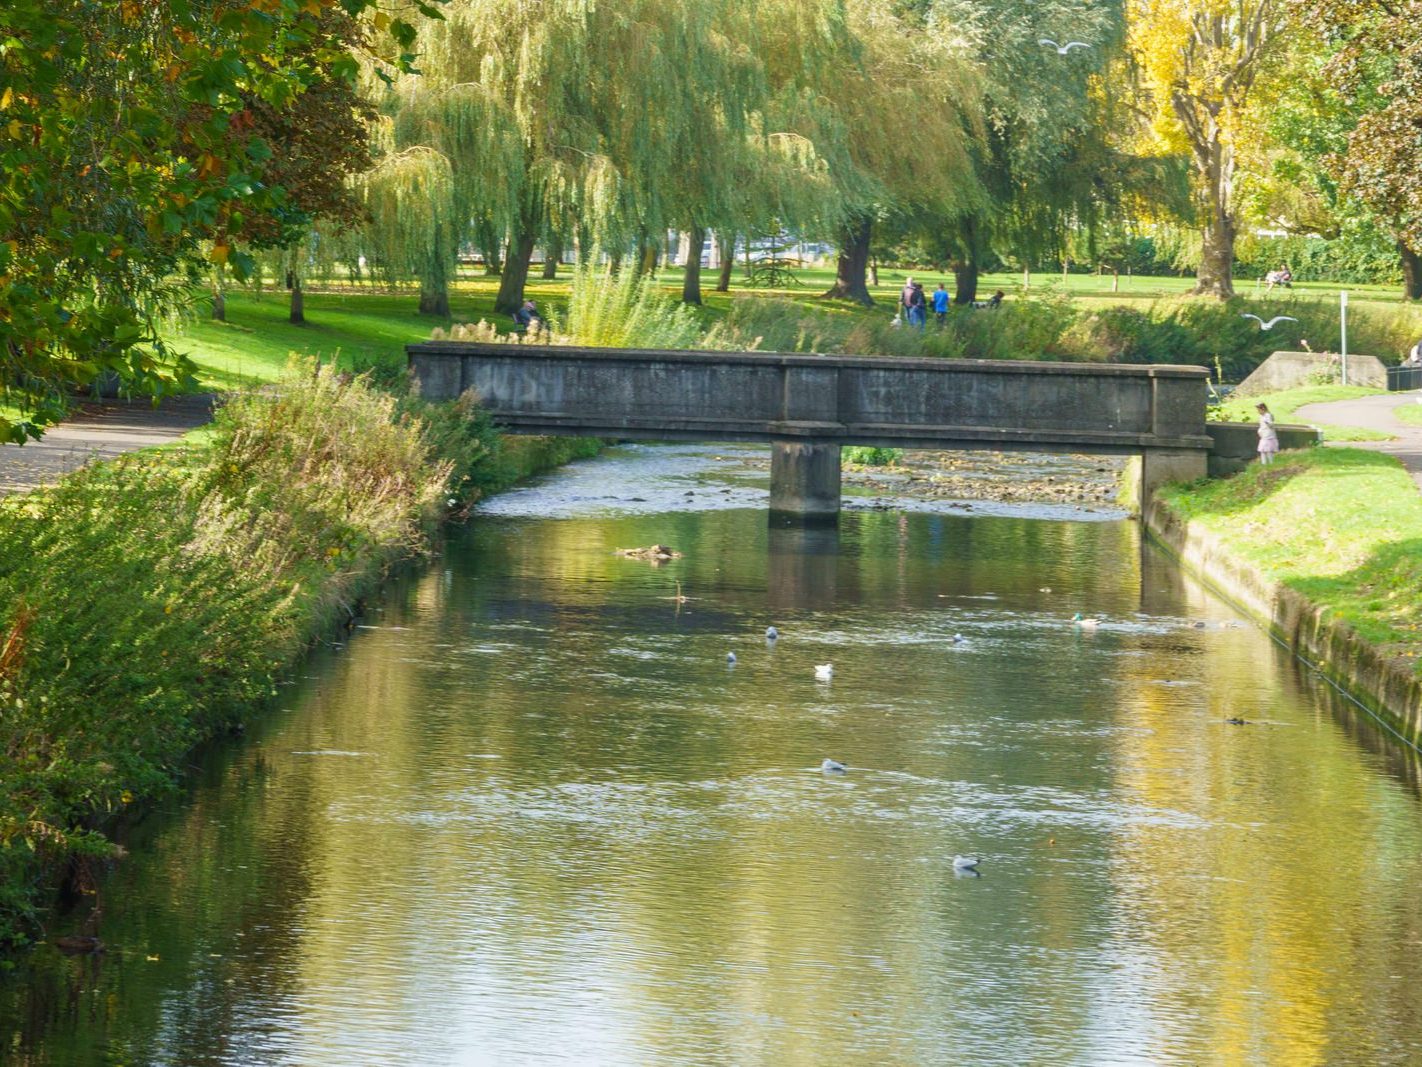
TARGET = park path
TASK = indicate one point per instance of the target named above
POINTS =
(1374, 413)
(99, 430)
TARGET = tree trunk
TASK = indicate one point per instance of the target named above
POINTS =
(552, 253)
(298, 299)
(1411, 272)
(874, 271)
(1214, 160)
(489, 241)
(515, 276)
(434, 301)
(726, 252)
(691, 280)
(965, 282)
(849, 279)
(219, 294)
(647, 258)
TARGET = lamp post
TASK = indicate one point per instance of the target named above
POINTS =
(1343, 324)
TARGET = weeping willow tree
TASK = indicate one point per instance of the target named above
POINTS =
(890, 109)
(409, 197)
(1041, 163)
(504, 98)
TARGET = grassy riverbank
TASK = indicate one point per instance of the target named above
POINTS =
(148, 604)
(1283, 404)
(1342, 527)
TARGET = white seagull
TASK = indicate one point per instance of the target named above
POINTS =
(771, 633)
(965, 863)
(833, 766)
(1271, 323)
(731, 658)
(824, 671)
(1062, 49)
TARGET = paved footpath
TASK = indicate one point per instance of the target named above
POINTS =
(99, 430)
(1374, 413)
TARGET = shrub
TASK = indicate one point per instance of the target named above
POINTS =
(871, 455)
(147, 603)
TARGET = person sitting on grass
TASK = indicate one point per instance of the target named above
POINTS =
(526, 316)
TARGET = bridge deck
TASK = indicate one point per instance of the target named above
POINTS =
(755, 396)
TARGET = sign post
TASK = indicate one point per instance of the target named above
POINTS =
(1343, 322)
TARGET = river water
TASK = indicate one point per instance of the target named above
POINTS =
(531, 813)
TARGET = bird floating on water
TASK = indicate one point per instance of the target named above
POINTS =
(959, 639)
(1271, 323)
(730, 657)
(824, 671)
(771, 633)
(1062, 49)
(1085, 624)
(965, 863)
(833, 766)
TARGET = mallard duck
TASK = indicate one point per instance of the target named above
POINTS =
(1084, 623)
(78, 944)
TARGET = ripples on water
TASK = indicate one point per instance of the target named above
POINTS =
(530, 815)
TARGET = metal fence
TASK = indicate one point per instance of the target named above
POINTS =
(1400, 379)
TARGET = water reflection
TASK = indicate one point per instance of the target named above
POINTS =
(529, 815)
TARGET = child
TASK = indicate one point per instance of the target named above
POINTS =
(1268, 438)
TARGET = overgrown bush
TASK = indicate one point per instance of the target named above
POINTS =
(624, 310)
(1182, 330)
(871, 455)
(148, 603)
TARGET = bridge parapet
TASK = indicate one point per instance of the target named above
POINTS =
(829, 400)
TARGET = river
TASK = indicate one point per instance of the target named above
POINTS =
(531, 813)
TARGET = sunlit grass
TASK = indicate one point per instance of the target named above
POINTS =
(1409, 413)
(1284, 404)
(1342, 526)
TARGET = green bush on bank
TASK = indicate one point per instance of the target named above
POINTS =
(1055, 327)
(148, 604)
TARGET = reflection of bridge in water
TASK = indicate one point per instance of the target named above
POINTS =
(807, 406)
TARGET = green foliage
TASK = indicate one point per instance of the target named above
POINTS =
(871, 455)
(130, 156)
(624, 310)
(149, 603)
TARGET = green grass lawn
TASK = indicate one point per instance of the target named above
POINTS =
(364, 329)
(1409, 413)
(1342, 526)
(1284, 404)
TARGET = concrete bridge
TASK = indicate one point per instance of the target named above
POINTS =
(806, 406)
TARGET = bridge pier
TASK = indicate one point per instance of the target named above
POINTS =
(804, 483)
(1150, 470)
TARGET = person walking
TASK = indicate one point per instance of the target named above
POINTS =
(940, 304)
(918, 306)
(906, 300)
(1268, 436)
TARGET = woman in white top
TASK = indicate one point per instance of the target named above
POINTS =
(1268, 438)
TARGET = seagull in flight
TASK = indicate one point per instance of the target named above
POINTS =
(1062, 49)
(1271, 323)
